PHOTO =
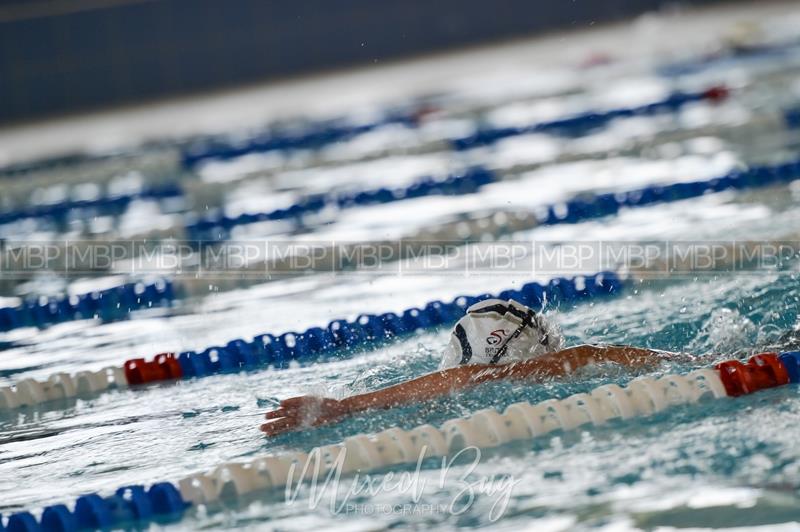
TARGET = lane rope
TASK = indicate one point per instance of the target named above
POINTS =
(111, 304)
(339, 338)
(311, 136)
(213, 227)
(644, 396)
(108, 204)
(320, 136)
(580, 208)
(580, 124)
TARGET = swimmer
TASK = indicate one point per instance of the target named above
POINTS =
(495, 340)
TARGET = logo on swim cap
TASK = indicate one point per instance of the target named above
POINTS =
(495, 337)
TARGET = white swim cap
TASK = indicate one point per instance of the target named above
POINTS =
(499, 332)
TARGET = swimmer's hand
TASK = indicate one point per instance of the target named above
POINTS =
(300, 412)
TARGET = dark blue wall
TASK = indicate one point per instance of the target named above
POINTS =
(69, 55)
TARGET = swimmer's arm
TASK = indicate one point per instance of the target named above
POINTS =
(443, 382)
(303, 411)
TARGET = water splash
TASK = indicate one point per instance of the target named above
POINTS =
(725, 331)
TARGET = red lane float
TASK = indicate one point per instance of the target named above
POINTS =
(761, 371)
(164, 367)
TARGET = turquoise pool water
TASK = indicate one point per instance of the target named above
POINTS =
(723, 463)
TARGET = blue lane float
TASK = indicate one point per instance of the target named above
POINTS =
(129, 506)
(586, 207)
(111, 304)
(467, 182)
(111, 204)
(582, 123)
(309, 137)
(371, 330)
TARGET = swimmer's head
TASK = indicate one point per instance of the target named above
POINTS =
(499, 332)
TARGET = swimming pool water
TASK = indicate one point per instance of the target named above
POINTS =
(724, 463)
